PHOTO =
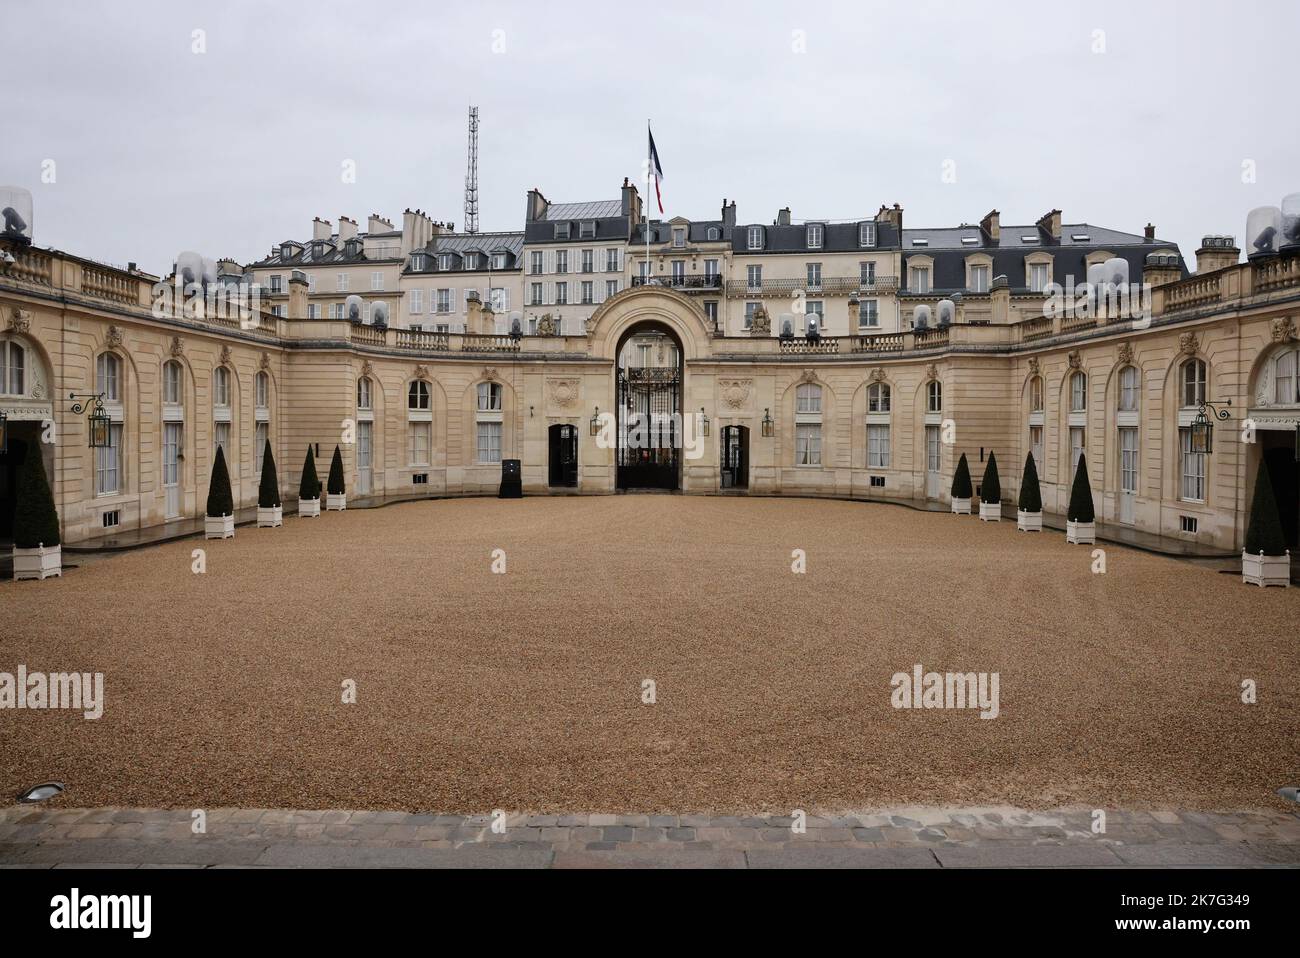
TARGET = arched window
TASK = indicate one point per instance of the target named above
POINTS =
(221, 386)
(417, 395)
(363, 393)
(1286, 384)
(172, 383)
(808, 425)
(1079, 392)
(13, 368)
(261, 390)
(107, 369)
(878, 397)
(1192, 390)
(1036, 394)
(1128, 389)
(934, 396)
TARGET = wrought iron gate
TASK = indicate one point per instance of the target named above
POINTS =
(649, 427)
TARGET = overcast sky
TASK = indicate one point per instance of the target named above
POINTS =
(829, 108)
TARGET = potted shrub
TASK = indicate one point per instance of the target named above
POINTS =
(961, 491)
(1080, 521)
(991, 492)
(1265, 560)
(37, 549)
(309, 488)
(270, 510)
(219, 519)
(336, 498)
(1029, 511)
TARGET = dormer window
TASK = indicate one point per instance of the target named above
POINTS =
(587, 230)
(471, 260)
(714, 233)
(353, 247)
(816, 233)
(754, 237)
(286, 251)
(444, 261)
(419, 262)
(318, 249)
(498, 260)
(561, 230)
(920, 242)
(866, 234)
(679, 237)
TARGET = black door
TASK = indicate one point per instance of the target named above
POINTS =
(1279, 459)
(9, 464)
(649, 411)
(735, 457)
(564, 455)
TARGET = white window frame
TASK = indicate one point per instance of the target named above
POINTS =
(1193, 381)
(1191, 469)
(1078, 391)
(419, 397)
(815, 235)
(879, 398)
(108, 376)
(867, 234)
(934, 396)
(754, 237)
(878, 446)
(13, 368)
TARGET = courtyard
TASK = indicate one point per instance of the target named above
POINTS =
(524, 689)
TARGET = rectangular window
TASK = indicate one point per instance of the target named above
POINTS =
(586, 293)
(561, 294)
(814, 275)
(444, 301)
(313, 310)
(749, 314)
(808, 444)
(489, 397)
(1128, 460)
(611, 287)
(415, 302)
(866, 274)
(866, 234)
(588, 260)
(172, 383)
(878, 447)
(611, 260)
(711, 311)
(1038, 277)
(754, 237)
(755, 274)
(815, 234)
(221, 439)
(979, 279)
(679, 271)
(1193, 468)
(535, 292)
(260, 434)
(419, 437)
(868, 314)
(710, 270)
(276, 285)
(1036, 445)
(1076, 447)
(808, 400)
(107, 458)
(535, 262)
(586, 230)
(679, 237)
(376, 281)
(341, 282)
(561, 260)
(489, 442)
(920, 279)
(561, 230)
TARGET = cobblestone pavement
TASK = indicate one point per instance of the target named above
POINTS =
(906, 837)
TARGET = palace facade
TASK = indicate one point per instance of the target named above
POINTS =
(431, 403)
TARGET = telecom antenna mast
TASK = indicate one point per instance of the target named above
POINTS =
(471, 177)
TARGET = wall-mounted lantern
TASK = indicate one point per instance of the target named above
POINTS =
(767, 424)
(98, 421)
(1203, 427)
(594, 426)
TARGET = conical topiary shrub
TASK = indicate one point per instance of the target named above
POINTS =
(1265, 559)
(1031, 497)
(220, 502)
(991, 485)
(1081, 508)
(336, 487)
(268, 490)
(961, 489)
(36, 521)
(309, 488)
(1264, 534)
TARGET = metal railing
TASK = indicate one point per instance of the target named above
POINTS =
(832, 286)
(696, 282)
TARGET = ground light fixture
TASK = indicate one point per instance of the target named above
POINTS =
(40, 793)
(767, 424)
(98, 420)
(595, 422)
(1291, 793)
(1203, 427)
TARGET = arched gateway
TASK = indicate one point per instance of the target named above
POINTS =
(650, 334)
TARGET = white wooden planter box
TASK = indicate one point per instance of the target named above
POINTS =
(961, 507)
(218, 527)
(1029, 521)
(1080, 533)
(1264, 570)
(271, 517)
(335, 503)
(308, 508)
(40, 563)
(990, 512)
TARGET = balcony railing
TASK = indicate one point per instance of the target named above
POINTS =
(488, 344)
(832, 286)
(695, 283)
(825, 345)
(421, 340)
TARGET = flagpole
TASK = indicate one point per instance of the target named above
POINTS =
(649, 169)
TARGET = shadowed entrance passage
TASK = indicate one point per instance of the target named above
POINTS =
(649, 389)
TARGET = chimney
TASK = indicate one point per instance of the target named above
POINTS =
(417, 230)
(631, 205)
(1050, 223)
(729, 215)
(377, 224)
(537, 206)
(1160, 268)
(1150, 233)
(992, 226)
(783, 216)
(347, 229)
(1217, 252)
(321, 229)
(297, 294)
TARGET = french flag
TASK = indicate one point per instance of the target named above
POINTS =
(656, 170)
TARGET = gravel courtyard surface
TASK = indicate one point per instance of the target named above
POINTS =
(523, 691)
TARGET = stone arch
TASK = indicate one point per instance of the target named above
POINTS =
(631, 307)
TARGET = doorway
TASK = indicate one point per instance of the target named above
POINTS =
(563, 455)
(1278, 451)
(735, 457)
(648, 384)
(173, 437)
